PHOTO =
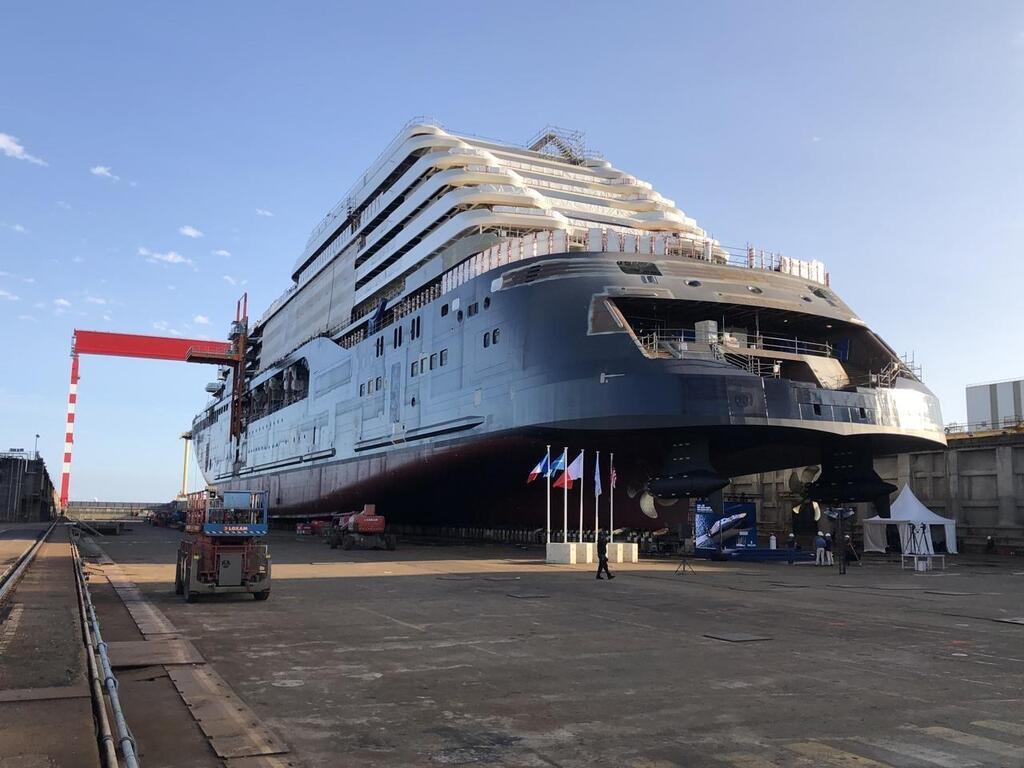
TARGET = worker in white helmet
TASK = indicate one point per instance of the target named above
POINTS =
(828, 550)
(819, 549)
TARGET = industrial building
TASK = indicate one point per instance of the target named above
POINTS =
(26, 490)
(995, 404)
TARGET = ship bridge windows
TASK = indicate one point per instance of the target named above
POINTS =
(639, 268)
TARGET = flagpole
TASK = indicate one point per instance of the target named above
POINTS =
(565, 496)
(597, 499)
(547, 464)
(611, 497)
(583, 492)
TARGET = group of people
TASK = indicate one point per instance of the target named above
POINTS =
(823, 549)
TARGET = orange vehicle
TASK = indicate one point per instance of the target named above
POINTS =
(364, 528)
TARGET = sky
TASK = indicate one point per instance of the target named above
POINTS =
(157, 160)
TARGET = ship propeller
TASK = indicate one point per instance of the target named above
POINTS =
(647, 505)
(799, 485)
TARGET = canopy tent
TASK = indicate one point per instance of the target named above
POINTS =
(914, 521)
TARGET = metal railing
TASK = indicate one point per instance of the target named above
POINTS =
(674, 340)
(1010, 423)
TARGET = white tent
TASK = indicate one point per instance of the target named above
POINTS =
(914, 521)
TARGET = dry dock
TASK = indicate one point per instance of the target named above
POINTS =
(438, 655)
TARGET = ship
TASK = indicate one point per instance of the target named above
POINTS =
(470, 304)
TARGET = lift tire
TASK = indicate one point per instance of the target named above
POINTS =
(348, 542)
(261, 595)
(190, 596)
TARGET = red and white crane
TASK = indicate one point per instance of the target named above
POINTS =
(229, 353)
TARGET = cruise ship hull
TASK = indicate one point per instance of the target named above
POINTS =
(570, 365)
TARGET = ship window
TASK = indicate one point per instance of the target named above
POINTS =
(415, 368)
(369, 387)
(380, 346)
(494, 336)
(754, 289)
(362, 390)
(693, 283)
(423, 364)
(444, 310)
(459, 316)
(863, 413)
(380, 383)
(806, 298)
(817, 409)
(444, 357)
(487, 339)
(487, 302)
(413, 403)
(639, 268)
(433, 361)
(473, 309)
(414, 328)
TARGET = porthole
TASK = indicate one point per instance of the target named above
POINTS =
(459, 316)
(487, 302)
(413, 402)
(494, 336)
(807, 299)
(487, 339)
(693, 283)
(754, 289)
(821, 293)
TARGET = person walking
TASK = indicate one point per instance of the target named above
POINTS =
(791, 546)
(602, 556)
(819, 549)
(828, 550)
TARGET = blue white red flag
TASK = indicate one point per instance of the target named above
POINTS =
(540, 469)
(614, 477)
(573, 472)
(558, 464)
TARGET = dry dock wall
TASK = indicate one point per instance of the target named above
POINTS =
(26, 490)
(978, 481)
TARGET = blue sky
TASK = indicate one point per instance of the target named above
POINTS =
(881, 138)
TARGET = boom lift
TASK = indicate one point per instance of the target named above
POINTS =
(223, 548)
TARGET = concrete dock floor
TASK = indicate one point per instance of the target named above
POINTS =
(454, 655)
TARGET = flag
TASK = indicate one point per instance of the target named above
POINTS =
(558, 464)
(597, 476)
(614, 477)
(540, 469)
(573, 472)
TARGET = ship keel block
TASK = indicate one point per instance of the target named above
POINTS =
(570, 552)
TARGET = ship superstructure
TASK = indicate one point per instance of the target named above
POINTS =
(470, 301)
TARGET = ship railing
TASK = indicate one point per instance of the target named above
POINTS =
(1015, 423)
(633, 243)
(674, 342)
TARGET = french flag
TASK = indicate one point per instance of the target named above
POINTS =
(542, 468)
(573, 472)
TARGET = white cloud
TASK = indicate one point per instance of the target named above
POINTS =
(65, 206)
(815, 139)
(19, 228)
(27, 318)
(222, 252)
(189, 231)
(263, 212)
(28, 279)
(11, 147)
(39, 305)
(62, 302)
(106, 318)
(201, 320)
(7, 295)
(95, 300)
(171, 257)
(230, 280)
(104, 171)
(78, 259)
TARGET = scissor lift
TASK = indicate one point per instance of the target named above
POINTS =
(223, 549)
